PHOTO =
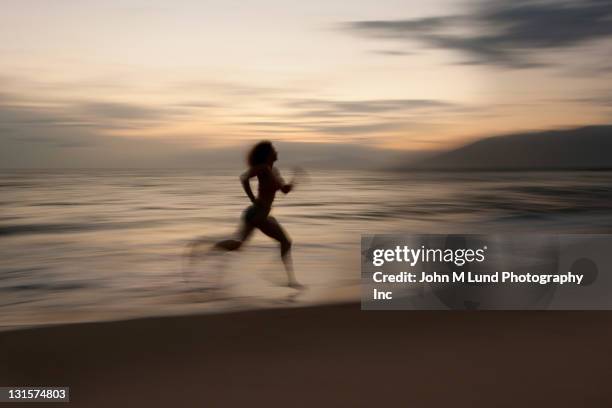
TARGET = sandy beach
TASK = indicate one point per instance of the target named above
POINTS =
(336, 356)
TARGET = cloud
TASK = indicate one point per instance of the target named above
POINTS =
(393, 53)
(102, 113)
(355, 121)
(327, 108)
(364, 129)
(349, 119)
(38, 137)
(229, 88)
(511, 33)
(596, 101)
(37, 133)
(324, 127)
(51, 137)
(14, 116)
(196, 105)
(18, 112)
(120, 111)
(31, 126)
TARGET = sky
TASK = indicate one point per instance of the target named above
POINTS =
(86, 82)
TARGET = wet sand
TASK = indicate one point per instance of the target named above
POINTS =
(332, 356)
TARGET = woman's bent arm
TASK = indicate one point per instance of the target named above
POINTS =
(244, 178)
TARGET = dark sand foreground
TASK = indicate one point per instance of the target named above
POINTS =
(332, 356)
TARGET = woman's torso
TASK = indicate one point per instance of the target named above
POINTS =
(269, 183)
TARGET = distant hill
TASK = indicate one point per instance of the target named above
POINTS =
(581, 148)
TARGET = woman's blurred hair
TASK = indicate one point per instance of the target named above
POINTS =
(260, 153)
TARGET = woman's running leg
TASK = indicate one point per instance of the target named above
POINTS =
(246, 230)
(273, 229)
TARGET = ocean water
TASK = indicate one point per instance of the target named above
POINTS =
(95, 245)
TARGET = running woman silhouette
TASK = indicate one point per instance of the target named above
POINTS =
(261, 160)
